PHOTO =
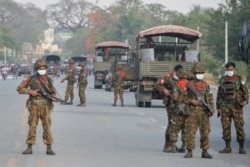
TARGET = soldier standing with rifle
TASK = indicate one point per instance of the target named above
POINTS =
(200, 112)
(70, 77)
(39, 106)
(82, 84)
(179, 114)
(232, 96)
(168, 86)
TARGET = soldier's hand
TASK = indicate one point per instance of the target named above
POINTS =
(218, 113)
(166, 92)
(34, 93)
(195, 102)
(243, 103)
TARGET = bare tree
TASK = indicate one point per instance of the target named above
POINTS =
(70, 14)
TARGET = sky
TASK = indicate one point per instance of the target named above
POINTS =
(183, 6)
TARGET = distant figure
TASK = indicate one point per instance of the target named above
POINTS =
(82, 84)
(14, 71)
(106, 56)
(149, 43)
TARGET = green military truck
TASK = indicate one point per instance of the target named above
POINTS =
(158, 50)
(107, 55)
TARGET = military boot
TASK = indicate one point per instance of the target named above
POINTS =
(122, 105)
(171, 148)
(205, 154)
(183, 148)
(227, 149)
(49, 150)
(189, 154)
(28, 150)
(114, 103)
(71, 101)
(241, 149)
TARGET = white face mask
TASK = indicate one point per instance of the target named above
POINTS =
(229, 73)
(41, 72)
(175, 77)
(199, 76)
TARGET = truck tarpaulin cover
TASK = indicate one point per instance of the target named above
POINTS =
(114, 44)
(181, 32)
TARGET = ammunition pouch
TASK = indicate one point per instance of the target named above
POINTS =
(28, 104)
(72, 81)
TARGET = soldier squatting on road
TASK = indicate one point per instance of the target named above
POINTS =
(232, 96)
(39, 107)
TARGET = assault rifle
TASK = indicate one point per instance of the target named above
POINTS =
(191, 87)
(49, 96)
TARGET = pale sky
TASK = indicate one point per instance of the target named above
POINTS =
(183, 6)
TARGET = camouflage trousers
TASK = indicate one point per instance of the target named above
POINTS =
(81, 93)
(198, 119)
(39, 109)
(178, 124)
(69, 92)
(118, 91)
(229, 113)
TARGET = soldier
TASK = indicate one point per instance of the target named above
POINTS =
(39, 107)
(82, 83)
(117, 80)
(167, 87)
(179, 114)
(232, 96)
(199, 115)
(70, 77)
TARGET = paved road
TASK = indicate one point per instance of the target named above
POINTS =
(100, 135)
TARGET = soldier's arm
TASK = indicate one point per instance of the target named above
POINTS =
(23, 88)
(219, 97)
(245, 93)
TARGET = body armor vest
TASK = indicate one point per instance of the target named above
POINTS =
(229, 88)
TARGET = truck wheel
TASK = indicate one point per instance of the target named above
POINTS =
(147, 104)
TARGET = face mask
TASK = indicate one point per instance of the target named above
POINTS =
(229, 73)
(41, 72)
(175, 77)
(199, 76)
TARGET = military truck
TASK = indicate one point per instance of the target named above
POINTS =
(108, 55)
(158, 50)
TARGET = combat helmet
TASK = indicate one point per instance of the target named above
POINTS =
(198, 68)
(182, 74)
(71, 61)
(40, 63)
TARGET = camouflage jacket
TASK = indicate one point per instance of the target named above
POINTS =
(240, 93)
(34, 82)
(70, 77)
(117, 79)
(82, 79)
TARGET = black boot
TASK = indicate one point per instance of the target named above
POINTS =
(189, 154)
(49, 150)
(205, 154)
(183, 148)
(241, 149)
(122, 104)
(227, 149)
(28, 150)
(114, 103)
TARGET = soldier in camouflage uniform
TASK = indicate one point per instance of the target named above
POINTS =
(39, 107)
(179, 114)
(167, 87)
(199, 115)
(70, 77)
(82, 84)
(232, 96)
(117, 80)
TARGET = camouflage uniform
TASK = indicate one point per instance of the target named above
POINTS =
(179, 113)
(199, 115)
(70, 77)
(169, 83)
(231, 92)
(82, 83)
(117, 80)
(38, 106)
